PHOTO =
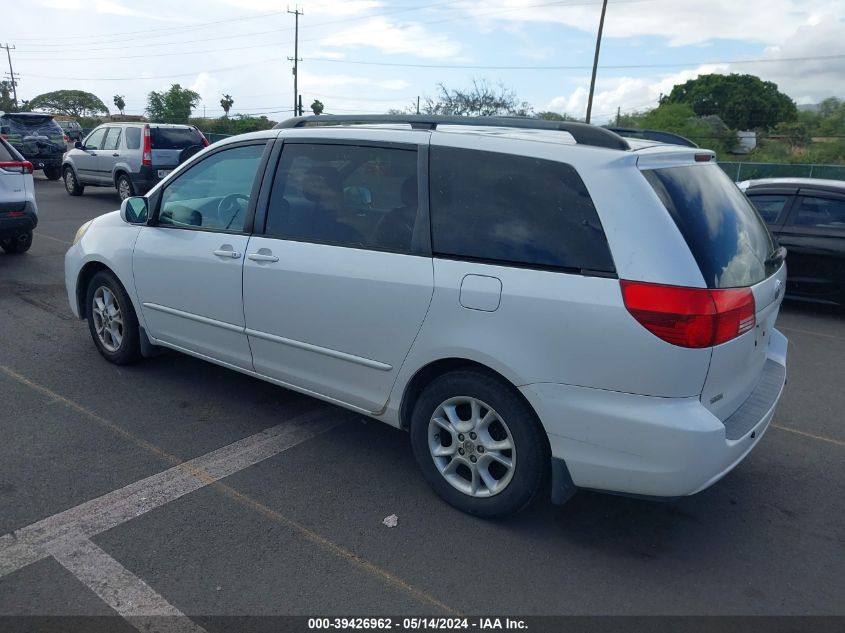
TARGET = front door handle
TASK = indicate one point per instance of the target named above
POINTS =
(261, 257)
(227, 253)
(115, 155)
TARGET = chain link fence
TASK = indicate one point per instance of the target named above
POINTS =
(741, 170)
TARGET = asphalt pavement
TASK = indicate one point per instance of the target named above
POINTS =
(280, 508)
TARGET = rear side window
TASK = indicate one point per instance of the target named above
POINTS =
(133, 138)
(770, 206)
(723, 230)
(514, 210)
(822, 213)
(174, 138)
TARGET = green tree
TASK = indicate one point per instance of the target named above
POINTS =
(743, 102)
(680, 118)
(555, 116)
(226, 103)
(481, 99)
(173, 105)
(75, 103)
(7, 104)
(317, 107)
(796, 135)
(119, 103)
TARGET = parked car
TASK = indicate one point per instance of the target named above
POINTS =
(131, 157)
(807, 216)
(525, 302)
(18, 211)
(37, 137)
(72, 129)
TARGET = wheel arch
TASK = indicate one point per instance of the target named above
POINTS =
(84, 278)
(426, 374)
(119, 171)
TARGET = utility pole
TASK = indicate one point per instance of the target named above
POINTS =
(418, 104)
(618, 115)
(596, 61)
(297, 106)
(12, 72)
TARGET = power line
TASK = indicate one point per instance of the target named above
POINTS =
(576, 67)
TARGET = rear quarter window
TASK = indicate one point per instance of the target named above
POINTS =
(514, 210)
(5, 155)
(133, 138)
(723, 230)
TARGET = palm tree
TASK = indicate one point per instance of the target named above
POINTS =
(226, 103)
(119, 103)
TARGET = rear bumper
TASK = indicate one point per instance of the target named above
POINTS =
(146, 178)
(17, 218)
(46, 162)
(649, 446)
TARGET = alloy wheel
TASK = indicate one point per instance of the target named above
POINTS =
(108, 318)
(472, 446)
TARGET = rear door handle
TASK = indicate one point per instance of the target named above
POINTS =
(260, 257)
(115, 155)
(227, 253)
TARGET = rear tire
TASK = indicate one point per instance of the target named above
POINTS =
(53, 173)
(72, 185)
(490, 458)
(17, 244)
(112, 320)
(124, 187)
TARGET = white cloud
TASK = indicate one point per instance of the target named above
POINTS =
(681, 22)
(393, 38)
(63, 5)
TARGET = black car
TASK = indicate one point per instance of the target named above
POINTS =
(38, 137)
(72, 129)
(807, 216)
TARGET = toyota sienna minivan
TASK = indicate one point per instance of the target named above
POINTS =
(528, 299)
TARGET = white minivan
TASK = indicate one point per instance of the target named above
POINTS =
(529, 299)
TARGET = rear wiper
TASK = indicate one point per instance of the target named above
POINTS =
(777, 256)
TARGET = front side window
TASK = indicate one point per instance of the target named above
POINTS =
(112, 140)
(95, 139)
(821, 213)
(515, 210)
(770, 206)
(346, 195)
(214, 193)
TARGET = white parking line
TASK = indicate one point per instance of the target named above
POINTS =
(50, 237)
(122, 590)
(38, 540)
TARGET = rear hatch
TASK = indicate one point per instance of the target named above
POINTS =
(734, 250)
(36, 136)
(13, 182)
(168, 143)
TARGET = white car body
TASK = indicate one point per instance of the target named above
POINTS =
(624, 411)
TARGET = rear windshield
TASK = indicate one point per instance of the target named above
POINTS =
(722, 228)
(174, 138)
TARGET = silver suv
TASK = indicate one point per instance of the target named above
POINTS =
(131, 157)
(527, 298)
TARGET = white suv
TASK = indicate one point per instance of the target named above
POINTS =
(527, 298)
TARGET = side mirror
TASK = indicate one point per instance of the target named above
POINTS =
(134, 210)
(79, 145)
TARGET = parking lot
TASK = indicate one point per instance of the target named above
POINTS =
(280, 508)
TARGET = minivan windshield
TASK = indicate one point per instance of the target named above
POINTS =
(723, 230)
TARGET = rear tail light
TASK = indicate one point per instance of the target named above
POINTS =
(203, 140)
(147, 156)
(18, 166)
(690, 317)
(67, 138)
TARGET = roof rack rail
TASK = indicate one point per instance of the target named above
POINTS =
(583, 133)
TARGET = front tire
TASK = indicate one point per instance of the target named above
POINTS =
(479, 444)
(111, 320)
(124, 187)
(72, 185)
(17, 244)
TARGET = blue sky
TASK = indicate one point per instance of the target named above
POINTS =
(372, 55)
